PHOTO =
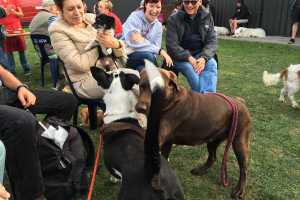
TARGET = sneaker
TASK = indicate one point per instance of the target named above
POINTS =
(292, 41)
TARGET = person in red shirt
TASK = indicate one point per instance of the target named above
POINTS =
(12, 24)
(105, 7)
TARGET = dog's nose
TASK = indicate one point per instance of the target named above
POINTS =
(141, 108)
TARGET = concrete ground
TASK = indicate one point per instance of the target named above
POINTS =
(268, 39)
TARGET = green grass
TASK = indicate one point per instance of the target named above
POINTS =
(274, 164)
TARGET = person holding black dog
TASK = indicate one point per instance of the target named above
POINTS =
(18, 131)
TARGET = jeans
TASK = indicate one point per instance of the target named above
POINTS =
(12, 64)
(204, 82)
(136, 60)
(18, 132)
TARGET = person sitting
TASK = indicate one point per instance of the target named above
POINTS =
(12, 23)
(105, 7)
(142, 33)
(192, 43)
(295, 9)
(18, 131)
(240, 16)
(70, 34)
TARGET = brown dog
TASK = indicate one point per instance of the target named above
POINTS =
(191, 118)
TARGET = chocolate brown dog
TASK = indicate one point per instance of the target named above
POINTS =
(191, 118)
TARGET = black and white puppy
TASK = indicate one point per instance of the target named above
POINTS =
(145, 174)
(104, 24)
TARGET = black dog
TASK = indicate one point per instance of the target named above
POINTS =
(144, 173)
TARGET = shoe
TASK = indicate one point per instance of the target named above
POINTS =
(292, 41)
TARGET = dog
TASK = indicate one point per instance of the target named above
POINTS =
(84, 116)
(191, 118)
(250, 32)
(144, 173)
(221, 30)
(291, 83)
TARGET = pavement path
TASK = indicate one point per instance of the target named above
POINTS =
(268, 39)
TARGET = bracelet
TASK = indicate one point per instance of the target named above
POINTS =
(20, 86)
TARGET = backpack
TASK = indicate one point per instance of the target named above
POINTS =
(65, 171)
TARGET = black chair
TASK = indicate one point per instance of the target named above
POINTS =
(91, 103)
(41, 43)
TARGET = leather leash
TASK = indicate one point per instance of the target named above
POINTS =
(231, 136)
(96, 163)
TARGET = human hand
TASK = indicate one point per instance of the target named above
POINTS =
(167, 58)
(136, 37)
(26, 97)
(4, 195)
(107, 40)
(200, 64)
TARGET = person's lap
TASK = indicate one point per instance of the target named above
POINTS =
(206, 81)
(136, 59)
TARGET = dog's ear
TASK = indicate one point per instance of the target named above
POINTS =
(173, 79)
(103, 79)
(128, 80)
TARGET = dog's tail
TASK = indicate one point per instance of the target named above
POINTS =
(273, 79)
(152, 155)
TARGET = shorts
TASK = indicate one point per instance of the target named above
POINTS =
(296, 15)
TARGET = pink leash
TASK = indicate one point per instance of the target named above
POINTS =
(231, 136)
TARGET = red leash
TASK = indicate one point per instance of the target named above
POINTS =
(232, 133)
(96, 164)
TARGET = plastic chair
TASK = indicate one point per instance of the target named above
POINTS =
(91, 103)
(41, 43)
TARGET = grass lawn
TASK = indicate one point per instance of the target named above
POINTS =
(274, 164)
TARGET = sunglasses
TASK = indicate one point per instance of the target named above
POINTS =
(189, 2)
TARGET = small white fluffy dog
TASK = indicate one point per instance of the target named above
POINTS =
(291, 82)
(221, 30)
(250, 32)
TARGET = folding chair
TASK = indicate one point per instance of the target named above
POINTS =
(41, 43)
(91, 103)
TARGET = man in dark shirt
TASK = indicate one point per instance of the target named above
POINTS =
(191, 42)
(240, 16)
(295, 6)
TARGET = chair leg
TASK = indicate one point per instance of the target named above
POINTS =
(42, 74)
(75, 116)
(54, 70)
(92, 116)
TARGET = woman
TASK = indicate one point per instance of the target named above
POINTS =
(142, 33)
(12, 24)
(70, 34)
(240, 16)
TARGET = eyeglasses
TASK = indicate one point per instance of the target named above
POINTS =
(189, 2)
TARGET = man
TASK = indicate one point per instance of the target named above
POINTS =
(105, 7)
(39, 24)
(295, 8)
(18, 131)
(191, 42)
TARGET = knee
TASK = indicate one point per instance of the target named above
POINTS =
(211, 65)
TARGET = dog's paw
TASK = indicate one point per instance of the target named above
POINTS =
(237, 193)
(282, 99)
(114, 180)
(295, 105)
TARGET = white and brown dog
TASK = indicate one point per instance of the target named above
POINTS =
(291, 82)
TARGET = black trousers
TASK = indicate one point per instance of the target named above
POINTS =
(18, 133)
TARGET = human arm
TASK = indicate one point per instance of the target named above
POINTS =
(139, 36)
(173, 41)
(10, 81)
(65, 48)
(17, 12)
(109, 41)
(4, 195)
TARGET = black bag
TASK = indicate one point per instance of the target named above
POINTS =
(65, 171)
